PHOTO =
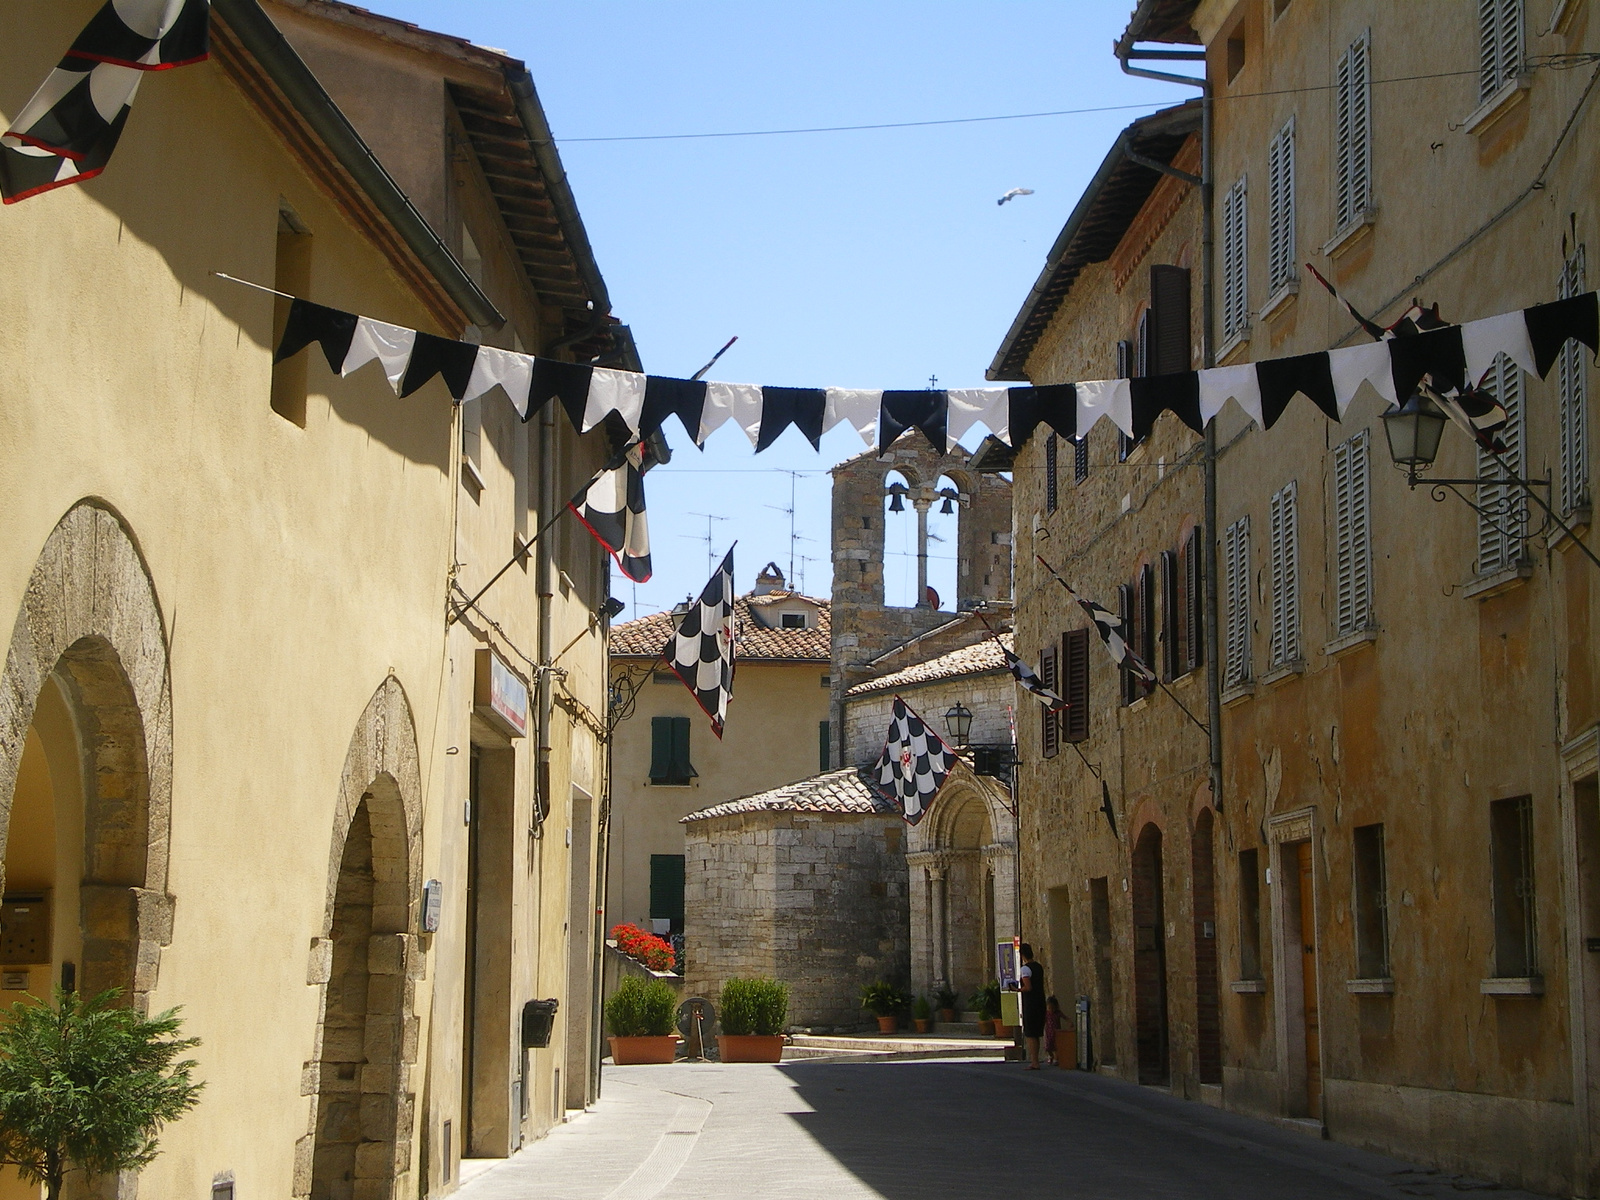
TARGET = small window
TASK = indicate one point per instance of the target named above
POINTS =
(1352, 502)
(1500, 44)
(824, 747)
(827, 681)
(1235, 57)
(1515, 923)
(1051, 495)
(1352, 152)
(1280, 210)
(669, 752)
(794, 620)
(1080, 458)
(1235, 264)
(291, 274)
(472, 443)
(1191, 605)
(1284, 530)
(1236, 588)
(666, 889)
(1371, 903)
(1249, 914)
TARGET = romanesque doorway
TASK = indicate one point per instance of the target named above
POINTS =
(1149, 959)
(85, 775)
(1208, 1012)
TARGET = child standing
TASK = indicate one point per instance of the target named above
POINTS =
(1052, 1026)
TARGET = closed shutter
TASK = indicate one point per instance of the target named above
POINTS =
(1502, 524)
(1080, 458)
(683, 769)
(1075, 685)
(1049, 722)
(1235, 302)
(1500, 44)
(1147, 621)
(1125, 359)
(1284, 541)
(1171, 639)
(1193, 616)
(1236, 573)
(1168, 336)
(666, 889)
(660, 749)
(1125, 610)
(824, 747)
(1353, 132)
(1280, 209)
(1352, 535)
(1574, 385)
(1051, 497)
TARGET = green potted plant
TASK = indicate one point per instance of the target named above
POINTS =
(945, 1001)
(753, 1013)
(886, 1002)
(639, 1015)
(986, 1002)
(922, 1014)
(86, 1086)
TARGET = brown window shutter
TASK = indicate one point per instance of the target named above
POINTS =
(1171, 660)
(1125, 609)
(1049, 722)
(1051, 493)
(1169, 321)
(1075, 685)
(1193, 603)
(1145, 647)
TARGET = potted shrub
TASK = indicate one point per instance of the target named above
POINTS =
(986, 1002)
(922, 1014)
(945, 998)
(886, 1002)
(639, 1015)
(753, 1013)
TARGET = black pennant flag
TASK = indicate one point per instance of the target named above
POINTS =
(330, 328)
(432, 356)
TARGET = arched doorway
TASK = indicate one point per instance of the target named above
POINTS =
(85, 777)
(1149, 959)
(1208, 1011)
(367, 962)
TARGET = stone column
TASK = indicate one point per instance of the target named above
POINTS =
(922, 501)
(940, 958)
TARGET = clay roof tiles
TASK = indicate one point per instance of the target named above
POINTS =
(981, 659)
(845, 791)
(644, 637)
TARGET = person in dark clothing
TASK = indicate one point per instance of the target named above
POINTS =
(1033, 1004)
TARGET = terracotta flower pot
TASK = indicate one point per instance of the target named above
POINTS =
(638, 1051)
(922, 1024)
(947, 1016)
(1000, 1028)
(751, 1047)
(888, 1024)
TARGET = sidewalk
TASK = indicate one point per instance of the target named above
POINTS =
(926, 1130)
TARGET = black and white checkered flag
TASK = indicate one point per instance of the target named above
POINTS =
(701, 649)
(1025, 676)
(613, 510)
(914, 764)
(1110, 627)
(66, 133)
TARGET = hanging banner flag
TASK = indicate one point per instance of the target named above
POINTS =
(914, 764)
(68, 130)
(613, 510)
(702, 646)
(1030, 682)
(1109, 626)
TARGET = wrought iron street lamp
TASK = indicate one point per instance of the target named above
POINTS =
(1414, 431)
(958, 722)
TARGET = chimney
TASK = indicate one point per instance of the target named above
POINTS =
(770, 580)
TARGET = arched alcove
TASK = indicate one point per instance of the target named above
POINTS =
(1149, 957)
(900, 539)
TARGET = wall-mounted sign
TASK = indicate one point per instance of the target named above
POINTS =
(432, 902)
(499, 695)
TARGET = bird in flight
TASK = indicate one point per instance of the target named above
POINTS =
(1014, 193)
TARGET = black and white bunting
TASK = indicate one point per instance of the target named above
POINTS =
(914, 764)
(1448, 360)
(701, 649)
(1109, 627)
(1030, 682)
(613, 510)
(68, 130)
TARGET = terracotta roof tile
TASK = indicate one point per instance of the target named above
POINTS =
(844, 791)
(981, 659)
(644, 637)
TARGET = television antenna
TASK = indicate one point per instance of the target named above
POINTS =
(794, 536)
(711, 557)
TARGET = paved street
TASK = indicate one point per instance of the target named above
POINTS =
(915, 1130)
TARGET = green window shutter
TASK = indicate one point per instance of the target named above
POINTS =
(666, 888)
(661, 749)
(682, 769)
(823, 747)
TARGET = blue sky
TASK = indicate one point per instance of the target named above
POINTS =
(859, 259)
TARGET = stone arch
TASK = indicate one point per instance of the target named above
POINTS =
(90, 622)
(366, 961)
(1150, 956)
(959, 849)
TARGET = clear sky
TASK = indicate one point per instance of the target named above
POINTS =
(871, 259)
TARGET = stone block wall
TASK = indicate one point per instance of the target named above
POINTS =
(815, 900)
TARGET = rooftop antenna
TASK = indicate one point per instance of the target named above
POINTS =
(804, 559)
(711, 558)
(793, 536)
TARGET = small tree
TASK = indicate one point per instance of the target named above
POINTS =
(87, 1086)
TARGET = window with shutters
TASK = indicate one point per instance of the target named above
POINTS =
(1503, 519)
(824, 746)
(1516, 930)
(1051, 453)
(1500, 44)
(1080, 458)
(1138, 627)
(666, 889)
(669, 752)
(1049, 722)
(1191, 610)
(1129, 354)
(1371, 907)
(1074, 687)
(1352, 143)
(1280, 210)
(1283, 536)
(1236, 598)
(1168, 337)
(1573, 380)
(1170, 663)
(1235, 297)
(1352, 535)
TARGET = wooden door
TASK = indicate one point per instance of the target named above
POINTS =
(1308, 968)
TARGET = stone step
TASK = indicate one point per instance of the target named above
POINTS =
(880, 1046)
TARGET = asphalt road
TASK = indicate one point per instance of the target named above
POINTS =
(917, 1130)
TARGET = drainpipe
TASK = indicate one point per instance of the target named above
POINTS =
(1125, 52)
